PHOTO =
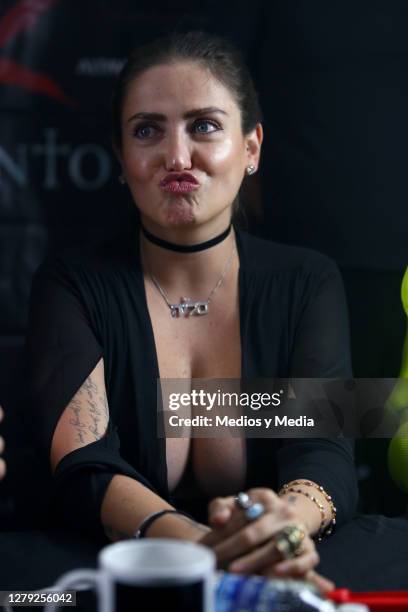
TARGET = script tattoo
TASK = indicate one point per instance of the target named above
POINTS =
(90, 412)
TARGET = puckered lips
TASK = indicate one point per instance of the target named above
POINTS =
(179, 182)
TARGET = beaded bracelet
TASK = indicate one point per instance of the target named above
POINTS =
(324, 529)
(327, 497)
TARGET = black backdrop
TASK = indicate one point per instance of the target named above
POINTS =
(332, 79)
(333, 86)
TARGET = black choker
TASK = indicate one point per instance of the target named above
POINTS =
(186, 248)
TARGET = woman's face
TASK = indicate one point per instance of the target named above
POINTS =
(183, 151)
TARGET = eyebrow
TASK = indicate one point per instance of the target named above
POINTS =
(197, 112)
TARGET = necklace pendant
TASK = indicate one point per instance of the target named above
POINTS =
(181, 309)
(188, 308)
(201, 309)
(174, 310)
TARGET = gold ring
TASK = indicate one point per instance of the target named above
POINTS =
(289, 540)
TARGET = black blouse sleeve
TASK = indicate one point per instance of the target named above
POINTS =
(321, 350)
(62, 349)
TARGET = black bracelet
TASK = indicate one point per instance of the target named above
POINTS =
(145, 524)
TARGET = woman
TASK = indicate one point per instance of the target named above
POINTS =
(106, 323)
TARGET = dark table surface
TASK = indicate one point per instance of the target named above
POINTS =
(369, 553)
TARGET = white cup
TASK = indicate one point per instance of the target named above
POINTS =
(156, 573)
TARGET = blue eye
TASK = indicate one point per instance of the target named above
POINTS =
(202, 126)
(144, 131)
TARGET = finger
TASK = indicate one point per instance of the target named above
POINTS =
(1, 413)
(219, 503)
(228, 518)
(220, 511)
(221, 514)
(2, 468)
(250, 536)
(299, 565)
(2, 445)
(265, 496)
(269, 555)
(256, 560)
(225, 514)
(320, 582)
(220, 517)
(222, 530)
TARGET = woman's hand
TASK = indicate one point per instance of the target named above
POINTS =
(2, 462)
(250, 547)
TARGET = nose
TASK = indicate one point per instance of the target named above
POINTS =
(177, 153)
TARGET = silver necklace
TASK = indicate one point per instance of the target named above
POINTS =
(188, 307)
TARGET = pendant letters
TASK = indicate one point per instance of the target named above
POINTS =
(189, 308)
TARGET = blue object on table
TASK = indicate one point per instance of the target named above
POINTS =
(239, 593)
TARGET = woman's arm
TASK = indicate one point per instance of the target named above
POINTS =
(321, 350)
(66, 387)
(84, 420)
(127, 502)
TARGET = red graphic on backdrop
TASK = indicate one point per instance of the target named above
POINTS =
(20, 18)
(23, 16)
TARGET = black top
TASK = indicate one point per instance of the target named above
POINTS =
(91, 303)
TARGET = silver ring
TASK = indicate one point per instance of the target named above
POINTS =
(243, 501)
(254, 511)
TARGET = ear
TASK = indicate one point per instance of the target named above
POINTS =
(253, 143)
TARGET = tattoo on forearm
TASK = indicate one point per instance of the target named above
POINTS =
(97, 412)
